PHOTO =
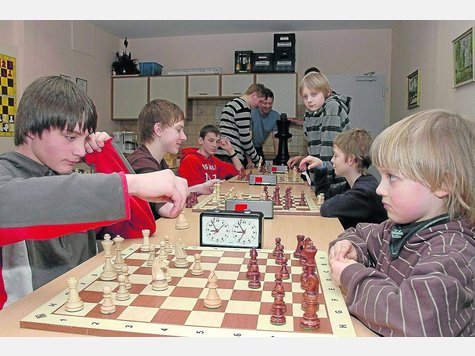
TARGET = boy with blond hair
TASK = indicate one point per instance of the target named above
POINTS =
(413, 275)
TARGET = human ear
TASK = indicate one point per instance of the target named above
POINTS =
(157, 129)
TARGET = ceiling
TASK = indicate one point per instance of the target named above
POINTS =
(134, 29)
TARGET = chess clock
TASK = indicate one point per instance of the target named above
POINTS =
(227, 228)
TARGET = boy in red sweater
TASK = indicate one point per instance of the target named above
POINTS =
(200, 165)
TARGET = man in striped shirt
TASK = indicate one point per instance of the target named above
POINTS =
(413, 275)
(235, 124)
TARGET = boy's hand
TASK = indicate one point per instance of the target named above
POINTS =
(226, 145)
(294, 161)
(96, 141)
(343, 250)
(311, 161)
(206, 187)
(337, 267)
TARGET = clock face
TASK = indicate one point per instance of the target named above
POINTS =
(231, 229)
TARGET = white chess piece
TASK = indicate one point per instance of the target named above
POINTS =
(107, 304)
(74, 302)
(181, 223)
(167, 244)
(146, 241)
(108, 272)
(151, 255)
(122, 292)
(212, 299)
(180, 255)
(197, 270)
(159, 279)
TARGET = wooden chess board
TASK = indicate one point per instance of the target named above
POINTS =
(309, 208)
(284, 178)
(180, 311)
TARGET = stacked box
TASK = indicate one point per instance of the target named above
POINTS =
(262, 62)
(284, 52)
(150, 69)
(243, 61)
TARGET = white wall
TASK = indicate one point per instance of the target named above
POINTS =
(427, 46)
(77, 49)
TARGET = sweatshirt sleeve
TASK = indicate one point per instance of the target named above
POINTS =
(109, 160)
(41, 208)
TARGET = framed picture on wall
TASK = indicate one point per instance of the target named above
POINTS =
(413, 89)
(463, 58)
(82, 83)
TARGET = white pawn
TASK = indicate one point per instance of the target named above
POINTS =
(163, 255)
(146, 241)
(197, 270)
(181, 223)
(74, 302)
(212, 300)
(125, 272)
(151, 255)
(107, 305)
(122, 292)
(168, 247)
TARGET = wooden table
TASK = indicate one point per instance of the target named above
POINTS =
(320, 230)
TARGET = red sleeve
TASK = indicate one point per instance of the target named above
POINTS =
(225, 169)
(109, 160)
(191, 171)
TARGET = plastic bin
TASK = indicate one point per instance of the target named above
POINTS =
(150, 69)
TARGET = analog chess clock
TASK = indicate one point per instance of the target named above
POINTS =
(227, 228)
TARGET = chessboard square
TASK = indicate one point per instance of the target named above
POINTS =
(239, 321)
(226, 275)
(322, 311)
(236, 254)
(211, 253)
(140, 278)
(87, 308)
(177, 272)
(211, 260)
(96, 313)
(186, 292)
(244, 285)
(136, 313)
(192, 282)
(91, 296)
(175, 317)
(264, 323)
(232, 261)
(150, 301)
(144, 269)
(203, 318)
(243, 307)
(179, 303)
(297, 310)
(137, 259)
(161, 293)
(98, 285)
(247, 295)
(205, 266)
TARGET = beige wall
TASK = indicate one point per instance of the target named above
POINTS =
(427, 46)
(77, 49)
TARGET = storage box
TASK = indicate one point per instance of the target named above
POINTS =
(243, 61)
(284, 62)
(284, 42)
(150, 69)
(263, 62)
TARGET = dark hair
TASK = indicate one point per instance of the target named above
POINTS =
(53, 102)
(268, 93)
(207, 129)
(158, 111)
(311, 69)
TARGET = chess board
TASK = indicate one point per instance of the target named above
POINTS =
(310, 208)
(7, 95)
(180, 311)
(283, 178)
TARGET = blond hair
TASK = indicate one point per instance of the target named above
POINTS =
(355, 142)
(435, 148)
(316, 81)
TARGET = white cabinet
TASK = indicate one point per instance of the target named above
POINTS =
(284, 87)
(129, 96)
(171, 88)
(234, 85)
(203, 86)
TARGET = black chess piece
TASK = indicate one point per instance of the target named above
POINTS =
(283, 135)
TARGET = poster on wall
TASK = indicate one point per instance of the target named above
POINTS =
(7, 95)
